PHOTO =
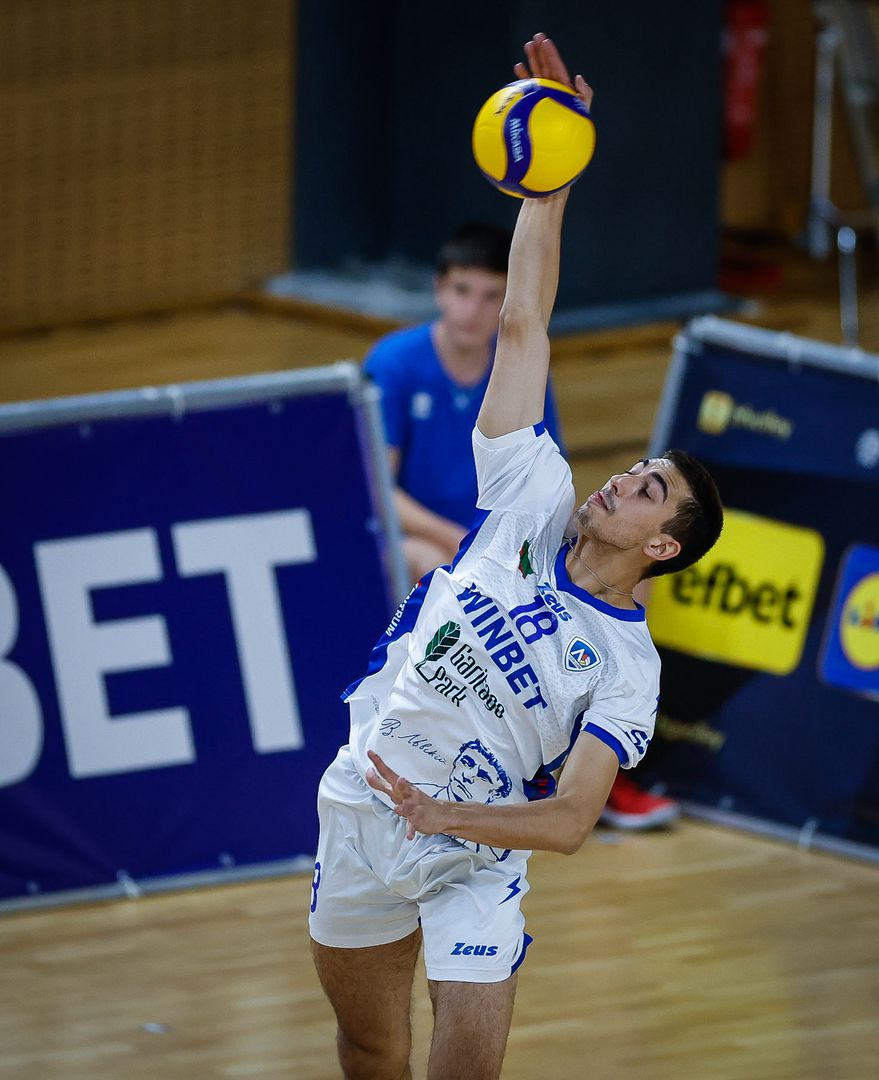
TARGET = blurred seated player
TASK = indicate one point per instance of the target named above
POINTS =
(433, 378)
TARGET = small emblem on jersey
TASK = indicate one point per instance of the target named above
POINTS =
(580, 655)
(526, 567)
(421, 406)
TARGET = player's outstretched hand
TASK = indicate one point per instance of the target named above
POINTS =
(422, 814)
(545, 62)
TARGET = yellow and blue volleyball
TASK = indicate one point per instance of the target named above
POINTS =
(533, 138)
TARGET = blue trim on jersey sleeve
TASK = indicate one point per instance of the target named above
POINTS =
(566, 585)
(411, 609)
(543, 783)
(479, 519)
(526, 941)
(609, 740)
(551, 419)
(539, 428)
(563, 756)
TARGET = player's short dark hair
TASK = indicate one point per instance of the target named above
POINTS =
(476, 245)
(698, 520)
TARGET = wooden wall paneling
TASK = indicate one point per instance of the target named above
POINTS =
(144, 154)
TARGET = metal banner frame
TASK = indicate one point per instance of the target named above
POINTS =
(790, 427)
(42, 811)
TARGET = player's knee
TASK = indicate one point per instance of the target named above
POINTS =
(374, 1057)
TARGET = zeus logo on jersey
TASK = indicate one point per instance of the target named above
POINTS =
(546, 591)
(580, 655)
(463, 949)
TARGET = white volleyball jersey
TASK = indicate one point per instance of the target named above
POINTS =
(491, 667)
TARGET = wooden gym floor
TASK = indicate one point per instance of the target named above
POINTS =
(694, 953)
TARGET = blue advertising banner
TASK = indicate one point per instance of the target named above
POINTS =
(182, 598)
(770, 645)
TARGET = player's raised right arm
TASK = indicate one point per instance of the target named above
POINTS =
(517, 387)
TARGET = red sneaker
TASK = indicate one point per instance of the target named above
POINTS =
(628, 807)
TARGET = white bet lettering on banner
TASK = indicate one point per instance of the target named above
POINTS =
(21, 717)
(84, 651)
(247, 550)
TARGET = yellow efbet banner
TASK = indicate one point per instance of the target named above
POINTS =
(748, 602)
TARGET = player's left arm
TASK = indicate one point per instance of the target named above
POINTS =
(560, 823)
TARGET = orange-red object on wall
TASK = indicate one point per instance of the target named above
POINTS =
(746, 30)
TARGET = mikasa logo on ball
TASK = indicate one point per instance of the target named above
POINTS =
(533, 137)
(516, 138)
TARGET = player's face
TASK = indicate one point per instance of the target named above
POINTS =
(631, 508)
(473, 779)
(470, 302)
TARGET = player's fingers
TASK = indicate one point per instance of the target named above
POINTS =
(386, 772)
(376, 782)
(552, 63)
(521, 72)
(584, 90)
(533, 58)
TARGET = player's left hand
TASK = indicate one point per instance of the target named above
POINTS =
(545, 62)
(422, 814)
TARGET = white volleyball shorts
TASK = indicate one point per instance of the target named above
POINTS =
(372, 886)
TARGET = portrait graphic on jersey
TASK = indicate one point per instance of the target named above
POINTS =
(476, 776)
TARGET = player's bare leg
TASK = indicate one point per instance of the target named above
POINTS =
(371, 991)
(471, 1022)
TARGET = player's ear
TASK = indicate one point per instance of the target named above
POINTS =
(662, 547)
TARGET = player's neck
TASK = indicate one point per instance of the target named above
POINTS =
(603, 573)
(464, 363)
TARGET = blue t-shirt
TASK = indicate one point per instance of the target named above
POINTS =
(429, 418)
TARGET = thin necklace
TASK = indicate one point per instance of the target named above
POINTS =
(603, 584)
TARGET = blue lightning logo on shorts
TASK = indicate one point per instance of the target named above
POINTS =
(514, 890)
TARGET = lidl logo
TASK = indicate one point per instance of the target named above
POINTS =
(850, 658)
(580, 655)
(719, 411)
(715, 412)
(749, 601)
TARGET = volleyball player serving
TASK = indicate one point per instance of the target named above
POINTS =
(528, 654)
